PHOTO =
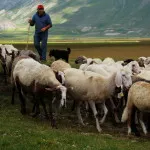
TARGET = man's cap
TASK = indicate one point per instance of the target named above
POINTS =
(40, 7)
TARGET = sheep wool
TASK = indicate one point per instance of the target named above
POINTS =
(34, 71)
(60, 65)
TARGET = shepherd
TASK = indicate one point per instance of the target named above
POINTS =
(42, 22)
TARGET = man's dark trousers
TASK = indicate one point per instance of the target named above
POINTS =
(41, 48)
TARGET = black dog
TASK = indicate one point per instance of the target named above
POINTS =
(60, 54)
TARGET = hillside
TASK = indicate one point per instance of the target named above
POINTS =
(88, 18)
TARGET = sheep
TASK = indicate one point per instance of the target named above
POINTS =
(97, 61)
(60, 54)
(85, 60)
(127, 61)
(30, 54)
(3, 60)
(138, 97)
(60, 65)
(7, 54)
(108, 61)
(23, 54)
(93, 88)
(141, 61)
(98, 69)
(29, 78)
(145, 74)
(106, 71)
(134, 67)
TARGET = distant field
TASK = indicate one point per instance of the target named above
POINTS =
(80, 41)
(131, 49)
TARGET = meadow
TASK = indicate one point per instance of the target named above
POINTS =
(27, 133)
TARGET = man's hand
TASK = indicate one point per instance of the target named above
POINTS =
(30, 20)
(43, 29)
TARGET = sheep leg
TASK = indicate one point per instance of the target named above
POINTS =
(105, 113)
(13, 94)
(131, 122)
(23, 103)
(142, 123)
(79, 114)
(53, 121)
(5, 75)
(93, 107)
(22, 99)
(87, 109)
(36, 107)
(44, 108)
(73, 106)
(114, 111)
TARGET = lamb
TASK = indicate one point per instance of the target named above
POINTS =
(138, 97)
(87, 86)
(60, 54)
(29, 79)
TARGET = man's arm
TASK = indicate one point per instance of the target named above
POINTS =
(31, 21)
(46, 28)
(49, 24)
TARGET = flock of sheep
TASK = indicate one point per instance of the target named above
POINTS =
(124, 84)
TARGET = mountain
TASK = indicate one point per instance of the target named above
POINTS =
(81, 18)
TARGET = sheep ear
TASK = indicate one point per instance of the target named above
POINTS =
(118, 79)
(7, 52)
(13, 55)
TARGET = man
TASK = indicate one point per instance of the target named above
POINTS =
(42, 22)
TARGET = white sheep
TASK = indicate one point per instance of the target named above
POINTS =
(138, 97)
(107, 71)
(93, 88)
(32, 77)
(145, 74)
(85, 60)
(29, 53)
(7, 53)
(108, 61)
(134, 67)
(97, 61)
(141, 61)
(60, 65)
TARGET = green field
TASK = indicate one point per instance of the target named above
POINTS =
(27, 133)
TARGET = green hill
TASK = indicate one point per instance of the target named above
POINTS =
(88, 18)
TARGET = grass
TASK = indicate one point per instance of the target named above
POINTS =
(26, 133)
(23, 132)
